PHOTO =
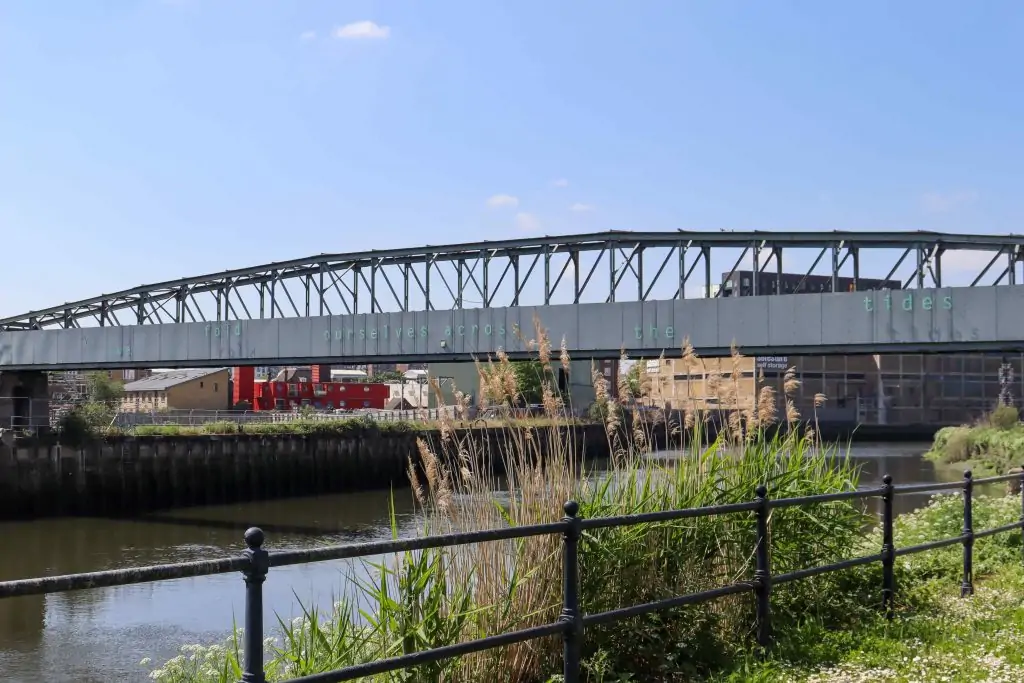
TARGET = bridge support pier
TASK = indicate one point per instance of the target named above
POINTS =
(24, 400)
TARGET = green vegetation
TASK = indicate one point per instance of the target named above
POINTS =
(828, 628)
(93, 416)
(387, 377)
(295, 427)
(336, 427)
(993, 446)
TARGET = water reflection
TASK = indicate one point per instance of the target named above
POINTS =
(100, 635)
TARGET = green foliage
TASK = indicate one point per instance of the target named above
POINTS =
(598, 412)
(89, 420)
(633, 380)
(530, 380)
(1005, 417)
(354, 426)
(104, 390)
(387, 377)
(622, 566)
(529, 375)
(986, 449)
(75, 429)
(944, 518)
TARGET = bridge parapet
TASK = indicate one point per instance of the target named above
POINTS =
(950, 319)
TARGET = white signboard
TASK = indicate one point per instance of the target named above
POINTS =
(652, 365)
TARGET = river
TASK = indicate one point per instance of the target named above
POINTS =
(100, 635)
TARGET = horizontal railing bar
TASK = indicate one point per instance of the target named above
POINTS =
(354, 550)
(925, 488)
(825, 569)
(120, 577)
(824, 498)
(436, 654)
(668, 603)
(999, 529)
(910, 550)
(666, 515)
(1000, 478)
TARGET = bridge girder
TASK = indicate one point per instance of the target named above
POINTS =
(508, 272)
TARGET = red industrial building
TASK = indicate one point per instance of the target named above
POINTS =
(271, 395)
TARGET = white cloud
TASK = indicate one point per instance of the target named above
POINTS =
(561, 182)
(362, 30)
(581, 208)
(307, 36)
(527, 222)
(943, 202)
(502, 200)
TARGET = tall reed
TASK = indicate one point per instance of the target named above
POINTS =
(438, 597)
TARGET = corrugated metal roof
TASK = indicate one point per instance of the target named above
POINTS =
(165, 380)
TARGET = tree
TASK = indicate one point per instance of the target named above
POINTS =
(387, 377)
(529, 380)
(529, 376)
(104, 390)
(633, 380)
(98, 411)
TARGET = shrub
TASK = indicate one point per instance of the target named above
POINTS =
(74, 429)
(943, 518)
(1005, 417)
(959, 446)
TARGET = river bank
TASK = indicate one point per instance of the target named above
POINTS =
(937, 636)
(129, 475)
(828, 628)
(994, 445)
(947, 639)
(100, 635)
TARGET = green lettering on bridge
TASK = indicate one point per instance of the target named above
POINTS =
(910, 302)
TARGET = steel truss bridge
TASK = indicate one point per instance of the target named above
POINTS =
(603, 267)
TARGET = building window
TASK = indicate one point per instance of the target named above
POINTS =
(279, 404)
(330, 405)
(293, 390)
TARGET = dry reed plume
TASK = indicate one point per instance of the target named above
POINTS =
(542, 469)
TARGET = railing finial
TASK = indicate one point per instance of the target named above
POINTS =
(254, 538)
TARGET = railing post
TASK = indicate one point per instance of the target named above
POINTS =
(762, 570)
(572, 638)
(967, 586)
(1021, 482)
(888, 549)
(255, 574)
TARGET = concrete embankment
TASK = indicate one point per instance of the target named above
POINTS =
(131, 475)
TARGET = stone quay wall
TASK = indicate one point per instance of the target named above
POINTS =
(132, 475)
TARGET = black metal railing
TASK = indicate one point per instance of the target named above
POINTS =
(255, 563)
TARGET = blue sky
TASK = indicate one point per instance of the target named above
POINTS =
(150, 139)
